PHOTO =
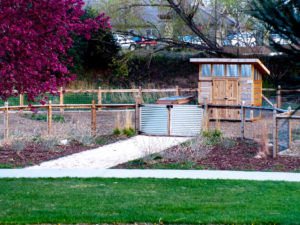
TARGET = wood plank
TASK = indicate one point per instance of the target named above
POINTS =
(6, 121)
(49, 118)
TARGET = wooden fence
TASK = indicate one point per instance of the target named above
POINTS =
(49, 107)
(277, 115)
(139, 91)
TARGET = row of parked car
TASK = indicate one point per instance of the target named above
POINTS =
(240, 39)
(131, 43)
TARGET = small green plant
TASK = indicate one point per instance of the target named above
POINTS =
(116, 131)
(58, 119)
(129, 132)
(101, 141)
(212, 137)
(43, 117)
(35, 116)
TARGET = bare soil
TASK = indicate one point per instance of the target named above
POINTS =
(237, 155)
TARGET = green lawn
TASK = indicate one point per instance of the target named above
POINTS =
(148, 200)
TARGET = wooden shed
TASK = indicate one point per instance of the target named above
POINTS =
(231, 81)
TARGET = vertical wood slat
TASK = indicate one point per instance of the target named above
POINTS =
(275, 132)
(278, 95)
(140, 95)
(243, 115)
(93, 122)
(99, 97)
(169, 120)
(6, 121)
(21, 101)
(199, 92)
(50, 118)
(137, 115)
(177, 90)
(205, 123)
(61, 99)
(290, 130)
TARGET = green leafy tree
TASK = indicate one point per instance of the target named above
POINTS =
(95, 53)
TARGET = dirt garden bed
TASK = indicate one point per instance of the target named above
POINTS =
(22, 154)
(231, 154)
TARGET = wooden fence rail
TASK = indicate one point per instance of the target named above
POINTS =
(139, 91)
(49, 107)
(284, 114)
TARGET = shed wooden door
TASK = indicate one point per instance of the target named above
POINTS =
(225, 92)
(232, 95)
(218, 97)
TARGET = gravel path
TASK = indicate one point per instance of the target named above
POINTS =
(113, 154)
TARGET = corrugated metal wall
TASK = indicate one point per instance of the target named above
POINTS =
(185, 120)
(154, 119)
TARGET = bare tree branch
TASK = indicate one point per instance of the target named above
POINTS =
(189, 22)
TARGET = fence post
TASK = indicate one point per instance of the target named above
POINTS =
(169, 119)
(93, 118)
(275, 132)
(199, 92)
(290, 129)
(278, 95)
(99, 97)
(49, 118)
(21, 101)
(243, 115)
(61, 99)
(140, 95)
(177, 90)
(6, 121)
(137, 115)
(205, 114)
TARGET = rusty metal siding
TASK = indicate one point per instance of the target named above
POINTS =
(154, 120)
(186, 120)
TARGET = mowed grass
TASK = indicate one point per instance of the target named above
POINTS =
(176, 201)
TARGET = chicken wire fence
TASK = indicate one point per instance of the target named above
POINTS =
(86, 97)
(69, 125)
(287, 99)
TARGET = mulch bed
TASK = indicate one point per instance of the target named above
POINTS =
(241, 156)
(36, 152)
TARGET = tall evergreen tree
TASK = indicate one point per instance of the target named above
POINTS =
(281, 17)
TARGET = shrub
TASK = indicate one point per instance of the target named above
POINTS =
(129, 132)
(212, 137)
(116, 131)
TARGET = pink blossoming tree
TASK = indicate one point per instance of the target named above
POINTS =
(34, 38)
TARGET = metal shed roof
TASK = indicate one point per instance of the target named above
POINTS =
(263, 69)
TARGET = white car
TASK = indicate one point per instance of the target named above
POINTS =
(125, 43)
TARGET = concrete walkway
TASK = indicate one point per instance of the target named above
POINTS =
(133, 173)
(113, 154)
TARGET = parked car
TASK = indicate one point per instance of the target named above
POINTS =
(280, 39)
(242, 39)
(191, 39)
(125, 42)
(146, 42)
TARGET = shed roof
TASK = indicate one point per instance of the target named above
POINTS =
(259, 65)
